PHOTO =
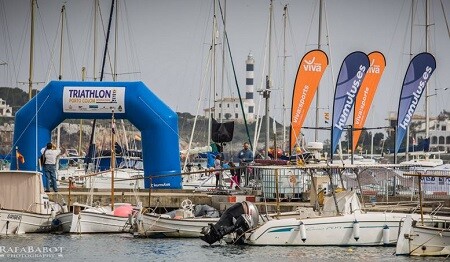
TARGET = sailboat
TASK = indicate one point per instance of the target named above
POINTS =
(113, 218)
(425, 236)
(416, 85)
(219, 132)
(25, 207)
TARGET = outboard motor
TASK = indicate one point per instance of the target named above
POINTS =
(238, 218)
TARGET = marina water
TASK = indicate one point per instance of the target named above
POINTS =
(124, 247)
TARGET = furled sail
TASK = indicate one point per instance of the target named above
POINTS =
(419, 72)
(366, 94)
(309, 73)
(351, 75)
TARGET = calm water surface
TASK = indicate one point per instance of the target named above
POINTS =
(124, 247)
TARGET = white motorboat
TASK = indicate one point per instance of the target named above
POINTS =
(25, 208)
(351, 227)
(428, 238)
(100, 219)
(185, 222)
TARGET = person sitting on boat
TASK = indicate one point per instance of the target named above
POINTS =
(245, 157)
(218, 166)
(50, 153)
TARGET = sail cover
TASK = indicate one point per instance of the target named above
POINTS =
(419, 72)
(366, 93)
(309, 73)
(351, 75)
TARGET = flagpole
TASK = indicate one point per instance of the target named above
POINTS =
(17, 158)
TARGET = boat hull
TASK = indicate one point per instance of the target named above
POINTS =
(88, 222)
(430, 239)
(365, 229)
(154, 225)
(19, 222)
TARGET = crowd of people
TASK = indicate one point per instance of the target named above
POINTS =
(244, 156)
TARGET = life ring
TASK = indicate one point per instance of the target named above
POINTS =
(187, 205)
(292, 180)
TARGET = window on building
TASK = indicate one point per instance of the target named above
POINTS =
(434, 140)
(237, 105)
(228, 105)
(220, 116)
(250, 109)
(441, 140)
(220, 105)
(444, 128)
(236, 115)
(448, 140)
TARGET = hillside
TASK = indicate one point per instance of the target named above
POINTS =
(70, 135)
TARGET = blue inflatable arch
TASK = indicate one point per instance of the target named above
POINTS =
(134, 101)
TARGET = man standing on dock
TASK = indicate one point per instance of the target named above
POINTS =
(245, 157)
(50, 156)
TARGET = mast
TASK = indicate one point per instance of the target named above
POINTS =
(91, 152)
(223, 58)
(30, 79)
(266, 93)
(284, 76)
(113, 157)
(61, 42)
(94, 66)
(83, 77)
(212, 111)
(316, 131)
(410, 57)
(116, 39)
(427, 95)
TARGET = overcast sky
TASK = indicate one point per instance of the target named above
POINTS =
(165, 44)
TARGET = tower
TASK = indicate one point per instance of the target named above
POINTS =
(249, 103)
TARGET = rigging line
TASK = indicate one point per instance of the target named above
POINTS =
(131, 38)
(52, 52)
(26, 127)
(445, 19)
(45, 33)
(91, 152)
(311, 23)
(328, 42)
(235, 78)
(71, 49)
(258, 125)
(202, 86)
(156, 113)
(8, 46)
(21, 50)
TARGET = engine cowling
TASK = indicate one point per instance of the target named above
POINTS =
(238, 218)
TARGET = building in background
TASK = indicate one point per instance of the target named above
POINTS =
(229, 108)
(5, 109)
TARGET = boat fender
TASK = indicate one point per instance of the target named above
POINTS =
(303, 232)
(356, 230)
(53, 213)
(64, 208)
(386, 235)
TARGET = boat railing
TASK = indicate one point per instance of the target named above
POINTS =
(436, 210)
(432, 208)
